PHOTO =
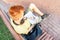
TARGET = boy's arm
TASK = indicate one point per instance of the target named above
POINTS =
(33, 7)
(29, 29)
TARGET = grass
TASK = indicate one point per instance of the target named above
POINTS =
(4, 32)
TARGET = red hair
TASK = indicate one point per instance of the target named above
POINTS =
(16, 10)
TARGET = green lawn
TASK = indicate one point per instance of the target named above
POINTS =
(4, 32)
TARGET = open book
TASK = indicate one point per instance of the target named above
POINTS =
(33, 18)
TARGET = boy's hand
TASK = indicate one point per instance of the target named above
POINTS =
(44, 16)
(29, 29)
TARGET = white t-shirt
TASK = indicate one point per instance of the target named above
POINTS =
(21, 29)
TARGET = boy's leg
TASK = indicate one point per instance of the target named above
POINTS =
(31, 36)
(33, 7)
(36, 32)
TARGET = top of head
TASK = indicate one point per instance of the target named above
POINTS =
(17, 9)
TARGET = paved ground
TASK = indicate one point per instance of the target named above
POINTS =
(52, 25)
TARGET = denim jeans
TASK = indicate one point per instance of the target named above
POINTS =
(32, 35)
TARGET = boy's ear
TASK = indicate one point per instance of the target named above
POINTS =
(10, 16)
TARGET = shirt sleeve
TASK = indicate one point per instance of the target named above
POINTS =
(27, 10)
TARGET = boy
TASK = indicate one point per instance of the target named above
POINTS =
(26, 23)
